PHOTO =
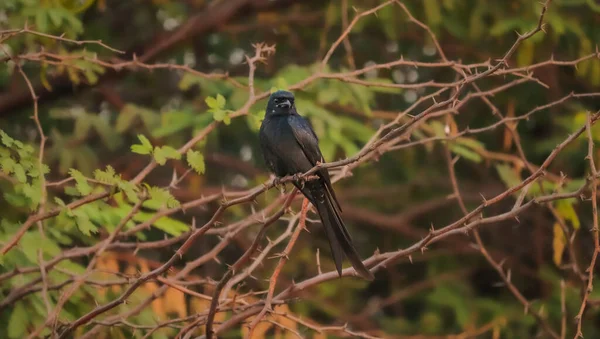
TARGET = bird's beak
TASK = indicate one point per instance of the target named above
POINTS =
(286, 104)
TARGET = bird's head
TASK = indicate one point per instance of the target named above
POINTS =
(281, 103)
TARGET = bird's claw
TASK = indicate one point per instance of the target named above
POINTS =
(278, 184)
(298, 178)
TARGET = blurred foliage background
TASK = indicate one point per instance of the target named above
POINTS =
(92, 113)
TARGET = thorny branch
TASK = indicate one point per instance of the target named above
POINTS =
(593, 177)
(448, 99)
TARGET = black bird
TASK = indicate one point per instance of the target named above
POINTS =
(290, 146)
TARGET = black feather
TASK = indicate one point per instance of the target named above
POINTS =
(290, 146)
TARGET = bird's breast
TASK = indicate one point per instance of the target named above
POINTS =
(278, 130)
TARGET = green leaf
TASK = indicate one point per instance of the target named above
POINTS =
(59, 202)
(17, 200)
(218, 114)
(7, 165)
(187, 81)
(574, 184)
(169, 225)
(130, 190)
(125, 119)
(331, 14)
(20, 173)
(108, 176)
(383, 88)
(508, 175)
(71, 266)
(452, 296)
(161, 154)
(159, 157)
(433, 12)
(171, 152)
(6, 140)
(82, 127)
(465, 152)
(73, 21)
(4, 152)
(18, 321)
(106, 132)
(31, 242)
(144, 148)
(535, 189)
(82, 184)
(438, 128)
(84, 224)
(389, 21)
(34, 193)
(149, 117)
(211, 102)
(33, 172)
(173, 122)
(220, 101)
(27, 163)
(66, 160)
(90, 75)
(505, 25)
(162, 197)
(470, 143)
(55, 16)
(145, 141)
(139, 149)
(196, 161)
(41, 21)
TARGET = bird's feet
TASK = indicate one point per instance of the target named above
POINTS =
(278, 184)
(298, 178)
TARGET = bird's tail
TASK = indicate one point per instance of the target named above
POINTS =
(337, 234)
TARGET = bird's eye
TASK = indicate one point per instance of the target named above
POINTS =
(276, 100)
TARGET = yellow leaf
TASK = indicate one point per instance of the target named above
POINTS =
(198, 305)
(174, 301)
(285, 321)
(558, 244)
(525, 53)
(260, 331)
(507, 142)
(107, 263)
(565, 209)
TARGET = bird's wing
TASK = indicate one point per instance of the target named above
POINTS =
(306, 137)
(308, 141)
(268, 153)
